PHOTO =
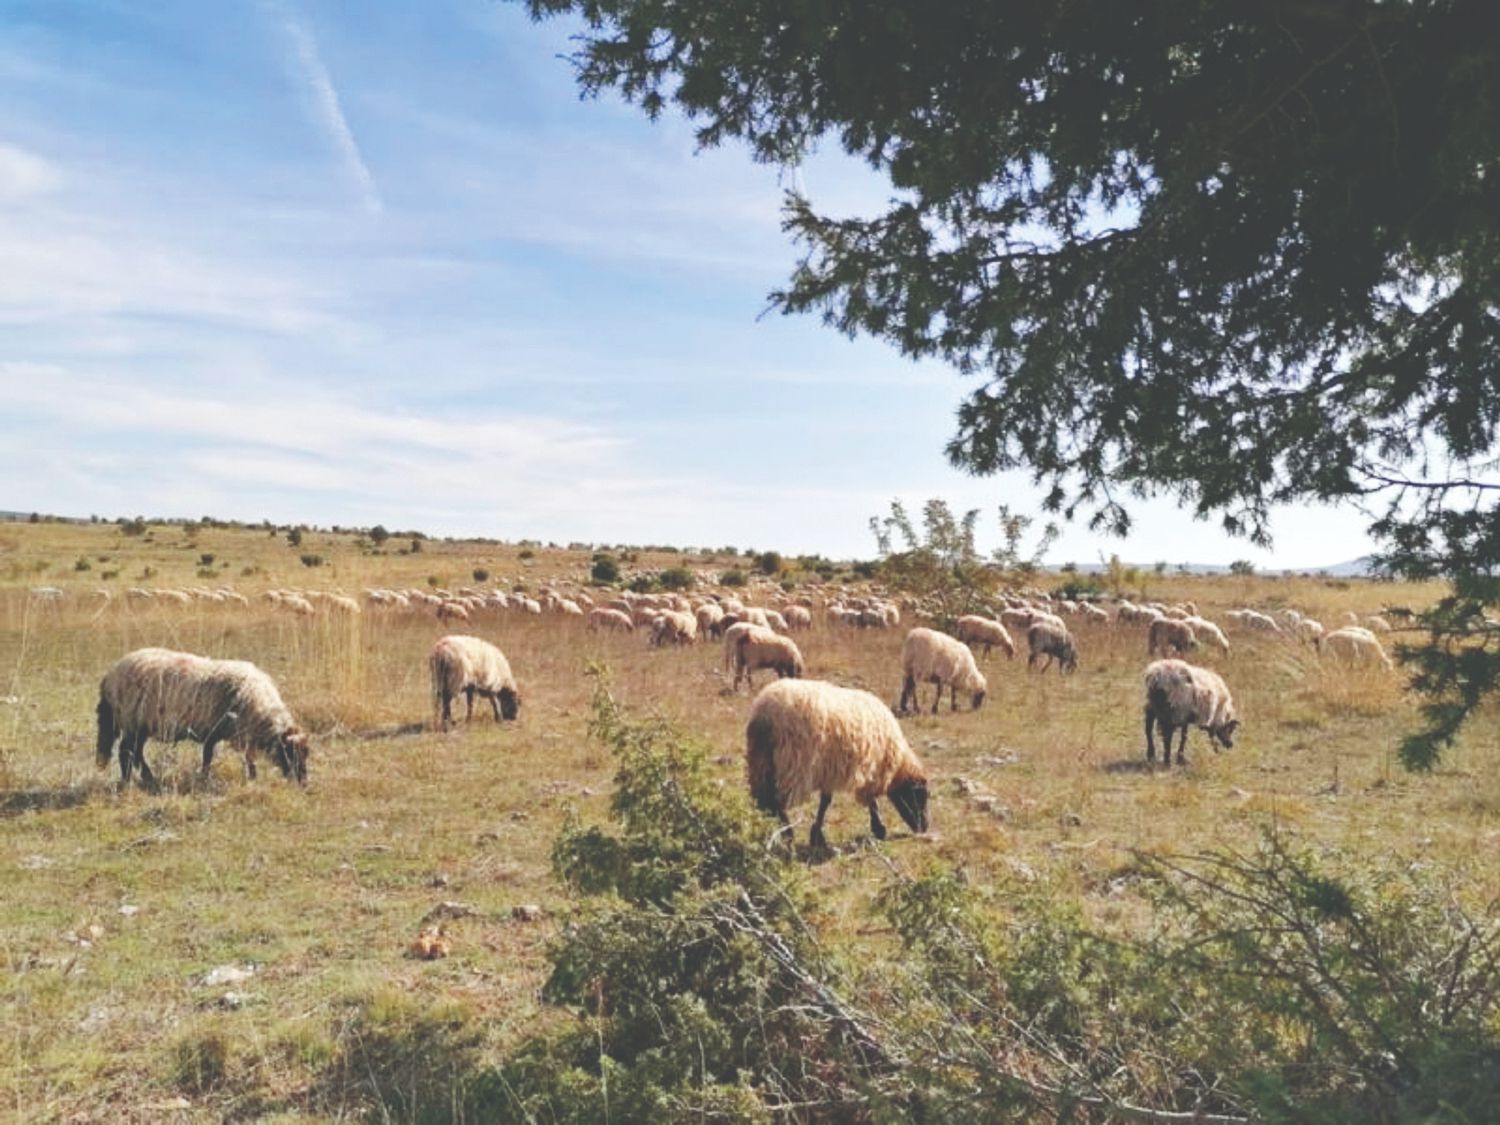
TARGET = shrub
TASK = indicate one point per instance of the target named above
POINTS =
(294, 537)
(480, 574)
(81, 564)
(677, 578)
(526, 553)
(312, 560)
(605, 570)
(206, 559)
(137, 526)
(734, 576)
(378, 535)
(768, 562)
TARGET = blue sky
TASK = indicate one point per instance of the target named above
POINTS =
(377, 263)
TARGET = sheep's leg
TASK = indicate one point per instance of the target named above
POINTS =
(877, 829)
(138, 752)
(908, 692)
(208, 753)
(1182, 744)
(937, 696)
(127, 757)
(952, 696)
(495, 704)
(1150, 742)
(447, 715)
(817, 839)
(469, 710)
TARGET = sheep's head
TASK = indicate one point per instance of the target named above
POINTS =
(510, 703)
(1224, 733)
(1068, 659)
(910, 798)
(977, 699)
(290, 751)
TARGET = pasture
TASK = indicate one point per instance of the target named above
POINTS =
(235, 949)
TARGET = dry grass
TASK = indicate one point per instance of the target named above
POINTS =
(321, 892)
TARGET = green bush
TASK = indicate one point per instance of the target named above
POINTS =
(734, 576)
(480, 574)
(605, 570)
(677, 578)
(310, 560)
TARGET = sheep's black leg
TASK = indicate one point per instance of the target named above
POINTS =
(140, 760)
(127, 757)
(469, 710)
(1150, 742)
(208, 753)
(1182, 744)
(908, 692)
(817, 839)
(447, 698)
(952, 696)
(937, 695)
(495, 705)
(877, 829)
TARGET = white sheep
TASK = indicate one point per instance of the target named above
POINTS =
(1054, 642)
(928, 656)
(166, 695)
(758, 648)
(798, 617)
(975, 630)
(1357, 645)
(671, 627)
(808, 736)
(1180, 695)
(1167, 634)
(461, 663)
(1202, 627)
(611, 619)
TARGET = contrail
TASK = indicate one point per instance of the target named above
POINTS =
(327, 113)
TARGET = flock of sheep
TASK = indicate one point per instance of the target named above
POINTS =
(802, 736)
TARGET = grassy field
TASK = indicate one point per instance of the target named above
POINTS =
(121, 905)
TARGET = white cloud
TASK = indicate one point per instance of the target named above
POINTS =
(56, 266)
(326, 108)
(25, 174)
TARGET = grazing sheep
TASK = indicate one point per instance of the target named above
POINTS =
(344, 605)
(1054, 642)
(1310, 631)
(807, 736)
(611, 619)
(1357, 645)
(710, 619)
(777, 622)
(466, 664)
(1167, 634)
(798, 617)
(170, 696)
(1202, 627)
(671, 627)
(975, 630)
(758, 648)
(1180, 695)
(928, 656)
(1377, 624)
(1253, 619)
(452, 611)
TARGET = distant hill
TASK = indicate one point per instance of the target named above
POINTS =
(1362, 567)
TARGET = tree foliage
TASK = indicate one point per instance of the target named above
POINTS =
(1235, 254)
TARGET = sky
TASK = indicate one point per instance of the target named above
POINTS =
(335, 263)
